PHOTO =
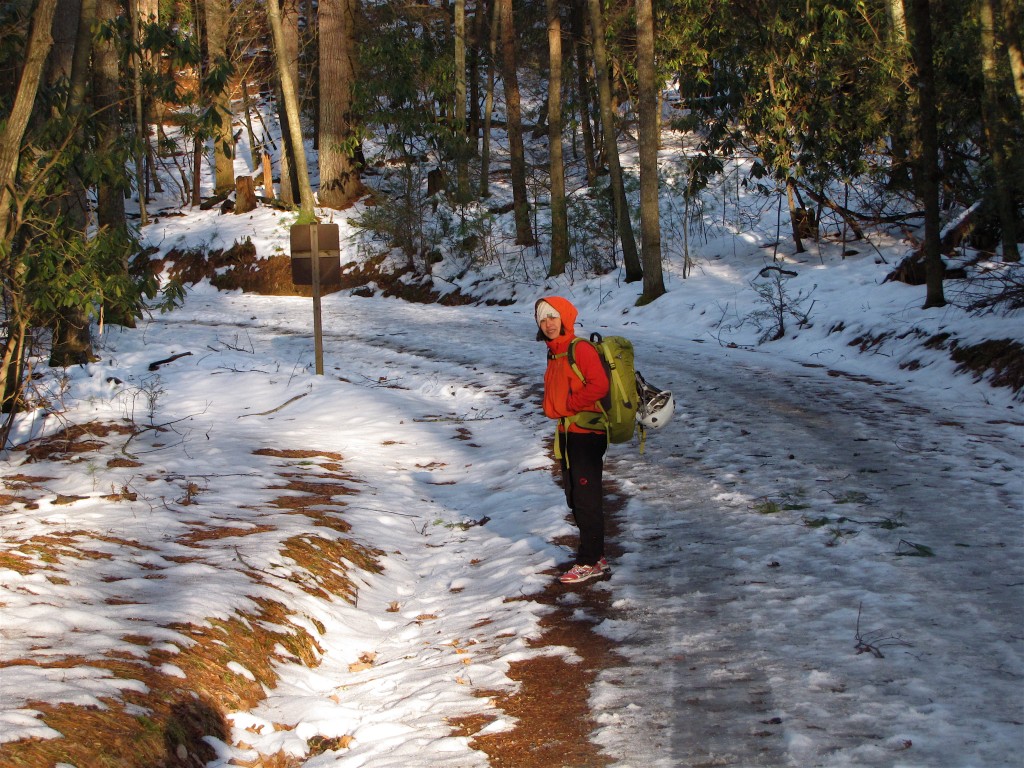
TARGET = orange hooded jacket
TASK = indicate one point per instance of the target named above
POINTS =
(565, 394)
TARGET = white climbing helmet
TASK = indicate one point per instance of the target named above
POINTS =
(656, 405)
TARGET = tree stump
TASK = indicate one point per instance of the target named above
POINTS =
(436, 181)
(245, 194)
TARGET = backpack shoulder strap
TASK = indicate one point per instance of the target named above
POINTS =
(572, 353)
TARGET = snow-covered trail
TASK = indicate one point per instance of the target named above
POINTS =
(776, 522)
(772, 529)
(773, 526)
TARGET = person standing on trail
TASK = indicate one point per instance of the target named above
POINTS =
(581, 439)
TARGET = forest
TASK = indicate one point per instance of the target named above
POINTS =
(211, 556)
(856, 114)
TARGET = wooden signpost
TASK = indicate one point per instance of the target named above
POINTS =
(316, 259)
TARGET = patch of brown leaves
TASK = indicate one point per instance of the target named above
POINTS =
(179, 711)
(1001, 360)
(73, 440)
(553, 719)
(241, 267)
(166, 725)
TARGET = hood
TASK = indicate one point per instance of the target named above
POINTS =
(565, 310)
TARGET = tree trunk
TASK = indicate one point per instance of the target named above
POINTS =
(71, 341)
(65, 29)
(1011, 35)
(339, 176)
(897, 20)
(254, 149)
(473, 76)
(485, 141)
(928, 176)
(72, 66)
(290, 28)
(37, 51)
(647, 98)
(78, 86)
(899, 172)
(630, 258)
(198, 143)
(294, 127)
(12, 367)
(998, 130)
(559, 219)
(218, 20)
(141, 129)
(459, 126)
(583, 90)
(106, 100)
(797, 215)
(513, 111)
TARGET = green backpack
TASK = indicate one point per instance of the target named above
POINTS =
(619, 406)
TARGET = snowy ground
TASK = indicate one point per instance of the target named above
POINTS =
(822, 551)
(740, 620)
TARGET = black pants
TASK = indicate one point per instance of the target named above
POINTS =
(582, 467)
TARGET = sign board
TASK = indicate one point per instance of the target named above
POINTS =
(316, 259)
(328, 247)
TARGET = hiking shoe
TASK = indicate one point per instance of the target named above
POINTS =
(580, 573)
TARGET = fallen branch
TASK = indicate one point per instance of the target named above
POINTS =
(874, 641)
(275, 410)
(910, 549)
(171, 359)
(152, 428)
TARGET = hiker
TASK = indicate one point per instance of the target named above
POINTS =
(579, 449)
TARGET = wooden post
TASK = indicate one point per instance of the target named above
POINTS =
(268, 176)
(318, 339)
(307, 240)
